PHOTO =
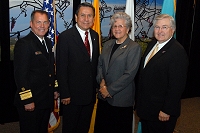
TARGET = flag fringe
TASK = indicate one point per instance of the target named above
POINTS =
(50, 130)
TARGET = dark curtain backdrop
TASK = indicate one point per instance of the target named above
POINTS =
(8, 111)
(188, 27)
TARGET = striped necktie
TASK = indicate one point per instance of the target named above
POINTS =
(153, 52)
(86, 42)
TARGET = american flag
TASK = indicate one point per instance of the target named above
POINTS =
(48, 7)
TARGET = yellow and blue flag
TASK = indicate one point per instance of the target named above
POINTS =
(169, 7)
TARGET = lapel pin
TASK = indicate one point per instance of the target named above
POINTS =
(123, 47)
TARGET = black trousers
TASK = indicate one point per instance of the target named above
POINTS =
(34, 121)
(111, 119)
(76, 118)
(158, 126)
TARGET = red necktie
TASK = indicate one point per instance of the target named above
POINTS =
(87, 45)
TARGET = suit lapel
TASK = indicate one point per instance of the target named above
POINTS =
(94, 43)
(108, 52)
(118, 51)
(48, 43)
(38, 43)
(160, 53)
(79, 41)
(49, 46)
(148, 49)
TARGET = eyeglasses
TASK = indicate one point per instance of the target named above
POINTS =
(118, 26)
(162, 28)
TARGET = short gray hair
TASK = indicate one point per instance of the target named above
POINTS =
(162, 16)
(124, 16)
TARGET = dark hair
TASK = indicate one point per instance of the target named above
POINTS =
(38, 11)
(85, 4)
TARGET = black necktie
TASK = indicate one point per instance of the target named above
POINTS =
(44, 50)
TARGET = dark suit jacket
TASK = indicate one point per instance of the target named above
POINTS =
(32, 70)
(162, 81)
(75, 72)
(119, 71)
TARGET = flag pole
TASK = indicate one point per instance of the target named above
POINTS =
(55, 28)
(174, 6)
(97, 25)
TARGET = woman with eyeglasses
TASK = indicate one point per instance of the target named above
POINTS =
(117, 67)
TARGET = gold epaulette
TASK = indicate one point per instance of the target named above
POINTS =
(25, 94)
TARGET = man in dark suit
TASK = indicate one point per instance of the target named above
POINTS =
(162, 79)
(76, 71)
(34, 76)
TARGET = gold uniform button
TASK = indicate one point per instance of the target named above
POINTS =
(49, 75)
(49, 84)
(23, 89)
